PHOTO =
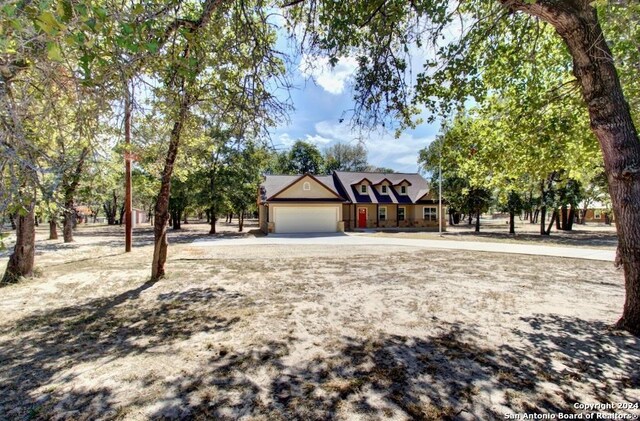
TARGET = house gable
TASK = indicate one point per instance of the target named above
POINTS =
(306, 187)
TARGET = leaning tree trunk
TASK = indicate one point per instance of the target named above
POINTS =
(161, 213)
(22, 259)
(53, 229)
(70, 185)
(554, 218)
(611, 122)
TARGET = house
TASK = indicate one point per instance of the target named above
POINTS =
(346, 201)
(596, 212)
(138, 217)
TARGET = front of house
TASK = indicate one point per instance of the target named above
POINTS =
(346, 201)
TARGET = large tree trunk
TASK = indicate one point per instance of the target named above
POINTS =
(512, 225)
(240, 221)
(175, 220)
(53, 229)
(477, 222)
(543, 215)
(68, 222)
(593, 65)
(23, 256)
(571, 218)
(212, 221)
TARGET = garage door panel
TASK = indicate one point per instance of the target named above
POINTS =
(293, 219)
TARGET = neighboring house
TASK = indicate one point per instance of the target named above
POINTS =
(138, 217)
(596, 212)
(83, 213)
(346, 201)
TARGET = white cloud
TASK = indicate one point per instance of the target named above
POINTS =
(384, 150)
(332, 80)
(285, 140)
(317, 139)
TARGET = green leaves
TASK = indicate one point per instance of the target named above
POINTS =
(53, 51)
(49, 24)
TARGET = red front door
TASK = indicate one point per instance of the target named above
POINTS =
(362, 218)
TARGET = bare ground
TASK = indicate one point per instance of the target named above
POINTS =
(591, 235)
(308, 332)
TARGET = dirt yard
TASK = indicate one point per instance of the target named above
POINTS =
(591, 235)
(308, 333)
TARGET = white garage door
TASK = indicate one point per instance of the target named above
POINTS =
(305, 219)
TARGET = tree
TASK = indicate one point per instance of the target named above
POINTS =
(512, 204)
(305, 158)
(497, 32)
(216, 36)
(477, 201)
(345, 157)
(243, 176)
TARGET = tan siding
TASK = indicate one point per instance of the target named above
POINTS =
(296, 191)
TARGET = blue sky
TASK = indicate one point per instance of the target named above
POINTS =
(321, 96)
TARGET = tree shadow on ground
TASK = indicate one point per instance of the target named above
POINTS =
(451, 375)
(444, 377)
(39, 349)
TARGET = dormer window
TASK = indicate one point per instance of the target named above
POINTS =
(403, 189)
(383, 189)
(306, 186)
(363, 189)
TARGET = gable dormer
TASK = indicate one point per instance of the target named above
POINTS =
(384, 187)
(402, 187)
(363, 186)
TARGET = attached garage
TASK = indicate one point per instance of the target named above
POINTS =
(298, 219)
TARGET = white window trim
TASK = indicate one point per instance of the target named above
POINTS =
(384, 190)
(405, 213)
(363, 189)
(380, 209)
(306, 186)
(429, 207)
(403, 190)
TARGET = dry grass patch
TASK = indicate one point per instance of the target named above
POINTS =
(309, 332)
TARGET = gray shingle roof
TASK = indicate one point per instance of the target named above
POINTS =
(273, 184)
(343, 183)
(418, 188)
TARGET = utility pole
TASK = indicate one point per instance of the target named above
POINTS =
(127, 170)
(440, 190)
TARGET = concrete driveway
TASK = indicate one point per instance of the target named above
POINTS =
(357, 239)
